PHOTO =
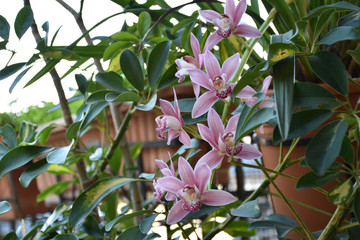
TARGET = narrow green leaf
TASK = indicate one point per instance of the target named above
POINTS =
(56, 189)
(311, 94)
(239, 229)
(92, 196)
(93, 112)
(182, 24)
(157, 60)
(147, 222)
(124, 217)
(168, 77)
(9, 136)
(325, 146)
(132, 69)
(4, 29)
(279, 51)
(34, 170)
(249, 209)
(131, 233)
(283, 82)
(60, 169)
(23, 21)
(144, 23)
(329, 68)
(4, 207)
(17, 79)
(149, 106)
(340, 34)
(311, 179)
(300, 37)
(58, 156)
(355, 54)
(125, 36)
(322, 22)
(357, 205)
(61, 54)
(339, 6)
(185, 36)
(347, 151)
(47, 68)
(19, 156)
(65, 236)
(27, 132)
(341, 192)
(59, 210)
(250, 75)
(10, 70)
(122, 97)
(284, 12)
(111, 80)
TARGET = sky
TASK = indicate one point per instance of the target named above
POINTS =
(49, 10)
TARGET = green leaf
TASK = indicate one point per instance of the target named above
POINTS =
(60, 169)
(19, 156)
(281, 223)
(115, 48)
(61, 54)
(311, 179)
(203, 211)
(123, 217)
(147, 222)
(325, 146)
(131, 233)
(4, 207)
(186, 104)
(329, 68)
(34, 170)
(81, 81)
(125, 36)
(122, 97)
(10, 70)
(149, 106)
(279, 51)
(355, 54)
(111, 80)
(340, 34)
(4, 28)
(9, 136)
(322, 22)
(239, 228)
(23, 21)
(250, 75)
(157, 60)
(283, 82)
(311, 94)
(92, 228)
(168, 77)
(73, 131)
(56, 189)
(44, 134)
(300, 36)
(182, 24)
(58, 156)
(339, 194)
(131, 67)
(338, 7)
(357, 205)
(92, 196)
(347, 151)
(47, 68)
(59, 210)
(17, 79)
(26, 132)
(65, 236)
(11, 236)
(98, 96)
(144, 23)
(249, 209)
(93, 112)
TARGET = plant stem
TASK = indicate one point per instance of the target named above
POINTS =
(183, 231)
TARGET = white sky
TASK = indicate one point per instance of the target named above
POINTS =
(49, 10)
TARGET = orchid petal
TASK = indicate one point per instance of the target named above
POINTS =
(195, 45)
(211, 41)
(203, 104)
(217, 198)
(202, 173)
(246, 92)
(176, 213)
(171, 135)
(215, 124)
(212, 65)
(196, 88)
(199, 77)
(232, 123)
(248, 152)
(230, 8)
(171, 184)
(184, 138)
(230, 66)
(207, 135)
(212, 159)
(161, 164)
(177, 109)
(239, 11)
(209, 15)
(266, 84)
(246, 31)
(167, 108)
(186, 171)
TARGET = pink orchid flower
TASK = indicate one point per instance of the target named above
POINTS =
(228, 23)
(266, 101)
(191, 191)
(166, 171)
(172, 120)
(216, 80)
(223, 141)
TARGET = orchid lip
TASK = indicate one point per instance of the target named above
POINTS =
(222, 89)
(224, 23)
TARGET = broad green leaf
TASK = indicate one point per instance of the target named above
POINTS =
(152, 236)
(4, 28)
(203, 211)
(283, 82)
(279, 51)
(26, 132)
(58, 156)
(355, 54)
(9, 136)
(17, 79)
(47, 68)
(131, 233)
(340, 34)
(147, 222)
(357, 205)
(339, 194)
(352, 19)
(311, 179)
(249, 209)
(322, 22)
(10, 70)
(325, 146)
(157, 60)
(329, 68)
(34, 170)
(93, 112)
(144, 23)
(60, 169)
(125, 36)
(73, 131)
(23, 21)
(3, 150)
(92, 227)
(65, 236)
(311, 94)
(283, 224)
(59, 210)
(19, 156)
(61, 54)
(11, 236)
(111, 80)
(122, 97)
(114, 49)
(168, 77)
(250, 75)
(44, 134)
(149, 106)
(132, 69)
(4, 207)
(98, 96)
(92, 196)
(284, 12)
(347, 151)
(300, 36)
(56, 189)
(81, 81)
(185, 37)
(124, 217)
(239, 229)
(338, 7)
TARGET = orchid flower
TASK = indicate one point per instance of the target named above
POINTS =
(228, 23)
(191, 191)
(223, 141)
(216, 80)
(172, 120)
(166, 171)
(188, 62)
(266, 101)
